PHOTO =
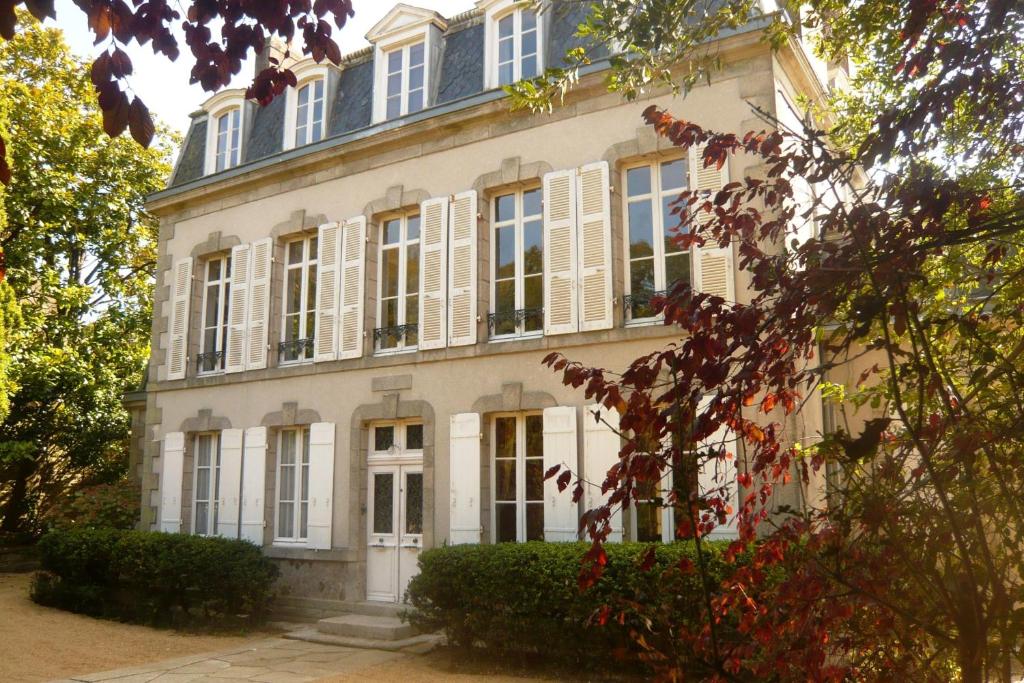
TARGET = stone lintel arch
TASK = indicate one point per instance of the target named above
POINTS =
(215, 243)
(290, 415)
(395, 199)
(646, 143)
(204, 421)
(300, 221)
(511, 171)
(513, 399)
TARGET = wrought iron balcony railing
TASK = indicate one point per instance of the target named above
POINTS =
(393, 335)
(211, 361)
(631, 302)
(296, 349)
(517, 317)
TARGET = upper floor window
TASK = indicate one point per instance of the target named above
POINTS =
(309, 112)
(518, 38)
(399, 278)
(655, 261)
(229, 139)
(406, 71)
(216, 295)
(299, 310)
(517, 277)
(206, 485)
(293, 485)
(518, 448)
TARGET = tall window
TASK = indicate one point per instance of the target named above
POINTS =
(518, 56)
(299, 322)
(215, 315)
(206, 485)
(309, 113)
(406, 77)
(293, 485)
(398, 310)
(656, 262)
(518, 265)
(653, 519)
(229, 131)
(518, 443)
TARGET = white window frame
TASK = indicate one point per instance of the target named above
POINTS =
(306, 315)
(656, 196)
(223, 303)
(301, 435)
(399, 451)
(307, 126)
(406, 67)
(521, 459)
(221, 104)
(307, 72)
(402, 246)
(402, 27)
(214, 492)
(495, 11)
(518, 224)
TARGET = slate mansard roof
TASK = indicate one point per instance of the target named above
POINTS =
(460, 76)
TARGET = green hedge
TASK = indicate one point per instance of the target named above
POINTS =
(153, 577)
(525, 598)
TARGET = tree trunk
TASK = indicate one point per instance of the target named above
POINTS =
(17, 502)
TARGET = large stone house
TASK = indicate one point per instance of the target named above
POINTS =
(356, 286)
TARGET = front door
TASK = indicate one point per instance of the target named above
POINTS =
(395, 533)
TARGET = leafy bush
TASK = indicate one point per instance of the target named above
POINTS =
(153, 577)
(110, 506)
(525, 598)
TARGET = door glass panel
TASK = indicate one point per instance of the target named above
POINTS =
(414, 437)
(534, 436)
(535, 521)
(535, 479)
(505, 518)
(414, 503)
(383, 438)
(505, 480)
(505, 437)
(383, 503)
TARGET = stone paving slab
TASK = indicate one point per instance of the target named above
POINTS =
(275, 660)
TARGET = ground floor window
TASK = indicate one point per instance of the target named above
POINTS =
(518, 453)
(206, 485)
(654, 519)
(293, 484)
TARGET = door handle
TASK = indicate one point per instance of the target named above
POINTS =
(411, 545)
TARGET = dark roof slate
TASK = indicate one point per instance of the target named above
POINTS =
(565, 18)
(266, 135)
(462, 64)
(193, 154)
(353, 102)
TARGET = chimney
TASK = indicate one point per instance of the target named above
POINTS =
(274, 47)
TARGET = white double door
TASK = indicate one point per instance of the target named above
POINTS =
(395, 529)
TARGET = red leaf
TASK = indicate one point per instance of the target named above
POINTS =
(140, 123)
(115, 119)
(563, 480)
(552, 471)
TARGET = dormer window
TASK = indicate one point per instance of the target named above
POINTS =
(229, 136)
(405, 80)
(228, 117)
(309, 113)
(308, 104)
(514, 36)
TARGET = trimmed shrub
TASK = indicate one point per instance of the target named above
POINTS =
(154, 577)
(525, 598)
(101, 506)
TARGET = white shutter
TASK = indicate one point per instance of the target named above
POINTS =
(561, 515)
(464, 519)
(560, 314)
(595, 247)
(170, 482)
(229, 483)
(433, 316)
(712, 266)
(177, 326)
(254, 472)
(327, 286)
(601, 444)
(238, 314)
(714, 474)
(259, 304)
(462, 272)
(350, 326)
(321, 484)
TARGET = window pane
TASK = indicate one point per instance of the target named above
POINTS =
(533, 292)
(529, 67)
(529, 19)
(529, 44)
(505, 479)
(412, 317)
(303, 520)
(415, 55)
(205, 446)
(212, 295)
(203, 483)
(414, 437)
(303, 96)
(416, 78)
(394, 84)
(534, 436)
(412, 270)
(295, 252)
(532, 202)
(394, 107)
(288, 450)
(505, 208)
(673, 175)
(638, 181)
(505, 437)
(291, 332)
(389, 273)
(505, 252)
(414, 503)
(641, 276)
(394, 61)
(293, 291)
(673, 225)
(677, 269)
(533, 248)
(505, 303)
(641, 229)
(505, 26)
(535, 479)
(383, 503)
(285, 520)
(202, 518)
(412, 228)
(311, 289)
(383, 438)
(648, 523)
(505, 523)
(415, 101)
(213, 270)
(393, 231)
(224, 304)
(535, 521)
(506, 75)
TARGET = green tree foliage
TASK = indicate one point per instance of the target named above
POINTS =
(80, 252)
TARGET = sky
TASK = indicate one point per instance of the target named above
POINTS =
(163, 85)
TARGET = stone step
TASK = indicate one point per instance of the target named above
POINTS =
(419, 644)
(367, 627)
(372, 608)
(310, 610)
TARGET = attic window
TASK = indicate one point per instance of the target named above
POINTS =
(229, 134)
(514, 41)
(309, 112)
(405, 80)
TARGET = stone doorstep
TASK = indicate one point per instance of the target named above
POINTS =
(420, 644)
(367, 627)
(310, 610)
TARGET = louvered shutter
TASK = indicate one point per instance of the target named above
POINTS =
(254, 473)
(321, 485)
(601, 444)
(595, 247)
(350, 326)
(238, 314)
(170, 482)
(560, 314)
(229, 483)
(712, 266)
(464, 519)
(433, 273)
(327, 286)
(561, 515)
(462, 272)
(259, 304)
(714, 474)
(177, 326)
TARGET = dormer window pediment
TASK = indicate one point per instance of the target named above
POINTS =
(307, 109)
(514, 39)
(407, 44)
(229, 114)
